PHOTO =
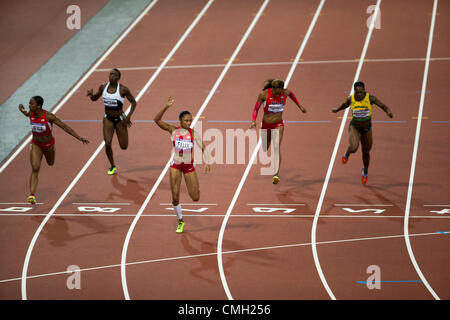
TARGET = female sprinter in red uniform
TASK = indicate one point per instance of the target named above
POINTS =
(274, 98)
(360, 128)
(43, 142)
(113, 94)
(183, 138)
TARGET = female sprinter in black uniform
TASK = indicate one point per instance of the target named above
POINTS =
(360, 128)
(43, 142)
(113, 94)
(183, 138)
(273, 97)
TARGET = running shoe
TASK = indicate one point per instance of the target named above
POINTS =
(180, 227)
(112, 170)
(344, 159)
(275, 179)
(364, 177)
(31, 199)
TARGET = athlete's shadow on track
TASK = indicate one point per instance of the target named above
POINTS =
(208, 247)
(57, 231)
(131, 190)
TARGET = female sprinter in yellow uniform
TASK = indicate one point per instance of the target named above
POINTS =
(183, 138)
(360, 128)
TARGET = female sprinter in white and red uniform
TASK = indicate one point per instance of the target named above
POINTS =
(274, 98)
(113, 95)
(43, 142)
(183, 138)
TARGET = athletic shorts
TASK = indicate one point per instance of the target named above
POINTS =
(360, 129)
(184, 167)
(44, 146)
(274, 125)
(116, 120)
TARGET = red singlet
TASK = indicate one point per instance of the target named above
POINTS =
(41, 127)
(184, 147)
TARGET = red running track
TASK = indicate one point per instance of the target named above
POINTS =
(265, 255)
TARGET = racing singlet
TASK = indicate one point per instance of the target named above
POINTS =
(361, 110)
(274, 104)
(184, 145)
(40, 126)
(112, 101)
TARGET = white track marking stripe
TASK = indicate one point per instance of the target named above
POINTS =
(333, 158)
(225, 252)
(253, 157)
(205, 103)
(82, 80)
(414, 157)
(48, 216)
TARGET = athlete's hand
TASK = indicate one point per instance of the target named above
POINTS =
(253, 125)
(170, 101)
(84, 140)
(22, 108)
(389, 113)
(334, 110)
(90, 92)
(127, 122)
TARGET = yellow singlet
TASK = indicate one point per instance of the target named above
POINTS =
(361, 110)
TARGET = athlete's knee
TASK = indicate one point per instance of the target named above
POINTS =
(124, 146)
(35, 169)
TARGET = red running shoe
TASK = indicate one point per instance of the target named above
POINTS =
(344, 158)
(364, 177)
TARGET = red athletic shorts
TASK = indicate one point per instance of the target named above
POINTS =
(44, 146)
(274, 125)
(184, 167)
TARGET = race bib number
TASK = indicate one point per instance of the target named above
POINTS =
(183, 145)
(38, 127)
(275, 108)
(361, 113)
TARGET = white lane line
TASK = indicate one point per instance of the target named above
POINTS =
(205, 103)
(215, 215)
(333, 158)
(190, 204)
(22, 203)
(276, 204)
(260, 64)
(69, 188)
(214, 253)
(414, 157)
(253, 157)
(436, 205)
(362, 205)
(103, 203)
(82, 80)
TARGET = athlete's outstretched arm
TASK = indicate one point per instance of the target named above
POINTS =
(163, 125)
(291, 95)
(54, 119)
(98, 94)
(343, 106)
(385, 108)
(261, 98)
(25, 112)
